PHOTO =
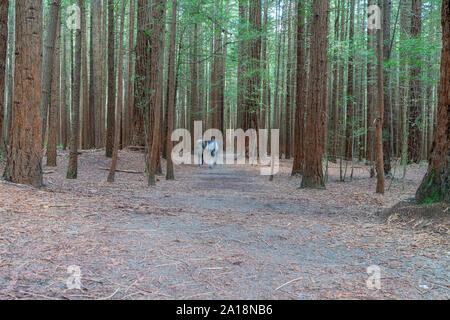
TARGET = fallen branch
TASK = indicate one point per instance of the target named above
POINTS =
(125, 171)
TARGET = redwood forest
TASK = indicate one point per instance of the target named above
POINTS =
(224, 149)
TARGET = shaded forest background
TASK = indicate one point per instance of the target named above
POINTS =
(135, 70)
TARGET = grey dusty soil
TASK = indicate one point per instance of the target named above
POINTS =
(225, 233)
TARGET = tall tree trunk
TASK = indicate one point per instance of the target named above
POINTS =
(84, 73)
(289, 77)
(3, 47)
(335, 95)
(142, 65)
(130, 95)
(72, 169)
(435, 185)
(24, 160)
(380, 100)
(371, 97)
(10, 74)
(95, 74)
(254, 49)
(349, 132)
(47, 64)
(110, 129)
(387, 137)
(171, 92)
(119, 104)
(415, 95)
(158, 28)
(65, 93)
(55, 99)
(242, 61)
(194, 107)
(317, 98)
(300, 98)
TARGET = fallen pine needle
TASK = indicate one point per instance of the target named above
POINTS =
(285, 284)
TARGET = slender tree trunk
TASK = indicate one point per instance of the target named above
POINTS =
(3, 47)
(371, 97)
(142, 65)
(47, 63)
(130, 102)
(335, 95)
(415, 96)
(194, 107)
(10, 74)
(350, 94)
(24, 160)
(300, 98)
(380, 100)
(242, 61)
(84, 73)
(158, 28)
(72, 169)
(254, 48)
(387, 137)
(55, 99)
(112, 170)
(435, 185)
(171, 92)
(110, 129)
(317, 98)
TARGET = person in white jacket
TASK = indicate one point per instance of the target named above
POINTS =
(199, 147)
(212, 148)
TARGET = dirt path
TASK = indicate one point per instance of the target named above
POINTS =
(224, 233)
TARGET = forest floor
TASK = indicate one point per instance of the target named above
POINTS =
(225, 233)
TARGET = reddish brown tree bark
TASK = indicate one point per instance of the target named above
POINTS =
(415, 111)
(317, 98)
(435, 185)
(3, 46)
(24, 160)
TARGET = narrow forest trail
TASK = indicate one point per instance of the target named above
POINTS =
(225, 233)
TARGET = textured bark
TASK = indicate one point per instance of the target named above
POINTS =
(171, 92)
(350, 92)
(194, 107)
(241, 83)
(95, 73)
(55, 99)
(265, 107)
(130, 95)
(415, 96)
(110, 121)
(10, 75)
(317, 98)
(142, 65)
(216, 105)
(65, 93)
(103, 65)
(289, 67)
(300, 98)
(252, 98)
(112, 171)
(72, 168)
(86, 129)
(334, 92)
(435, 185)
(47, 64)
(387, 137)
(24, 160)
(158, 28)
(380, 100)
(3, 47)
(371, 97)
